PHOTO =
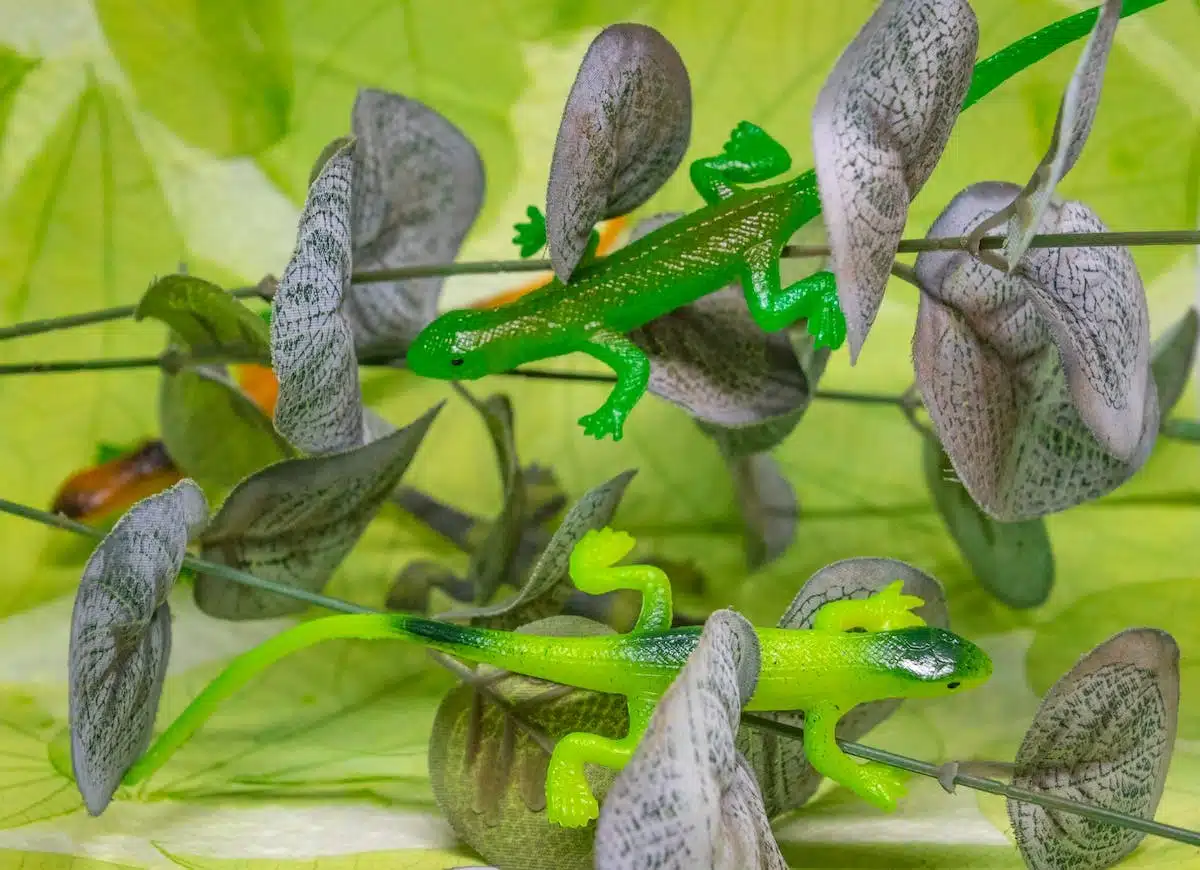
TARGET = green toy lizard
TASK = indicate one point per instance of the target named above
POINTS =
(856, 651)
(738, 235)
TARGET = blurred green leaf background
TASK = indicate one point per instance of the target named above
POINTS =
(140, 135)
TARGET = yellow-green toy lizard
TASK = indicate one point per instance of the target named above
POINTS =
(856, 651)
(737, 236)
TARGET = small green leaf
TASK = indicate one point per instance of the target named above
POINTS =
(205, 317)
(494, 562)
(1103, 734)
(489, 749)
(546, 589)
(1183, 430)
(13, 69)
(121, 637)
(1171, 358)
(1013, 561)
(218, 73)
(294, 522)
(769, 508)
(214, 432)
(688, 798)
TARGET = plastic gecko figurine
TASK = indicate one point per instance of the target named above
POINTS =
(856, 651)
(739, 235)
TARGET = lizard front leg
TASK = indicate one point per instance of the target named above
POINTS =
(750, 156)
(569, 798)
(592, 571)
(873, 782)
(885, 610)
(774, 307)
(632, 368)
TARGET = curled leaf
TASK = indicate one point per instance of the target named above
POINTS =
(880, 125)
(1013, 561)
(489, 748)
(1171, 358)
(1103, 735)
(1071, 128)
(1037, 383)
(624, 130)
(544, 591)
(121, 637)
(294, 522)
(418, 188)
(768, 505)
(784, 774)
(319, 409)
(688, 798)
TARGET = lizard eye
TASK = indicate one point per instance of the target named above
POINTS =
(953, 685)
(457, 361)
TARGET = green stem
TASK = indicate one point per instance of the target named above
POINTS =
(104, 315)
(170, 362)
(365, 626)
(991, 786)
(201, 566)
(1182, 430)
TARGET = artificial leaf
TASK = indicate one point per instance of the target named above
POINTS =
(295, 521)
(331, 148)
(1071, 129)
(488, 753)
(320, 408)
(13, 69)
(121, 637)
(410, 591)
(218, 74)
(780, 766)
(688, 798)
(205, 317)
(213, 431)
(544, 590)
(494, 561)
(418, 188)
(1104, 736)
(1013, 561)
(1171, 357)
(768, 505)
(879, 128)
(1038, 383)
(624, 131)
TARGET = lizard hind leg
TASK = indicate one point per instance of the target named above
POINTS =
(593, 570)
(570, 801)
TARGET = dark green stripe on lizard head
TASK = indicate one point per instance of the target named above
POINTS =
(926, 662)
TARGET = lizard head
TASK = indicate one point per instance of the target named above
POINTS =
(927, 662)
(451, 348)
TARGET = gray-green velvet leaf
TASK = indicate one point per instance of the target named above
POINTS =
(418, 188)
(1037, 383)
(1103, 735)
(879, 127)
(688, 798)
(121, 637)
(624, 131)
(295, 521)
(1071, 128)
(768, 506)
(319, 409)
